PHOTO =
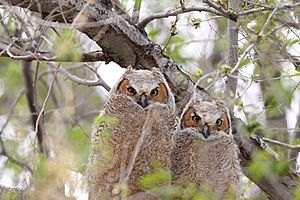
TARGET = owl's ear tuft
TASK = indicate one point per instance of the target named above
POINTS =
(220, 103)
(155, 69)
(157, 74)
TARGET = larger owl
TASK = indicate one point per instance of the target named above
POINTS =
(205, 153)
(134, 130)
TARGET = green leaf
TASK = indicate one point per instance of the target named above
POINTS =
(245, 62)
(260, 166)
(153, 34)
(291, 42)
(196, 22)
(158, 178)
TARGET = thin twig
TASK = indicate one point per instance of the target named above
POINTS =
(245, 53)
(45, 101)
(220, 9)
(13, 160)
(137, 148)
(11, 110)
(47, 56)
(250, 47)
(98, 82)
(282, 144)
(3, 150)
(268, 21)
(178, 11)
(208, 75)
(258, 10)
(294, 89)
(84, 132)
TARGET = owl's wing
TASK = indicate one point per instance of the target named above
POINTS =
(163, 115)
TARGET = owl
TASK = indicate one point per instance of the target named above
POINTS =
(205, 154)
(134, 130)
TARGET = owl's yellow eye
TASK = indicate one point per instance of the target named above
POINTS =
(219, 122)
(196, 118)
(131, 90)
(154, 92)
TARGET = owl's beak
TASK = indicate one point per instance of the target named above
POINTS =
(143, 101)
(206, 132)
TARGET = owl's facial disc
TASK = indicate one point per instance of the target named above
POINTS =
(144, 94)
(205, 120)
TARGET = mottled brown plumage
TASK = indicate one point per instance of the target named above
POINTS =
(205, 153)
(134, 129)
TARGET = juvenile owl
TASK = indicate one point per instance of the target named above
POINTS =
(205, 153)
(134, 129)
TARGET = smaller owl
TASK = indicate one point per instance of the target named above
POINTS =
(205, 153)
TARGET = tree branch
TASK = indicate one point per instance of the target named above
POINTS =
(98, 82)
(282, 144)
(11, 110)
(250, 47)
(261, 9)
(178, 11)
(47, 56)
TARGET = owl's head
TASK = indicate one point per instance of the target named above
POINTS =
(210, 119)
(145, 87)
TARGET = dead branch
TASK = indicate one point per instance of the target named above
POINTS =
(41, 141)
(98, 82)
(282, 144)
(48, 56)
